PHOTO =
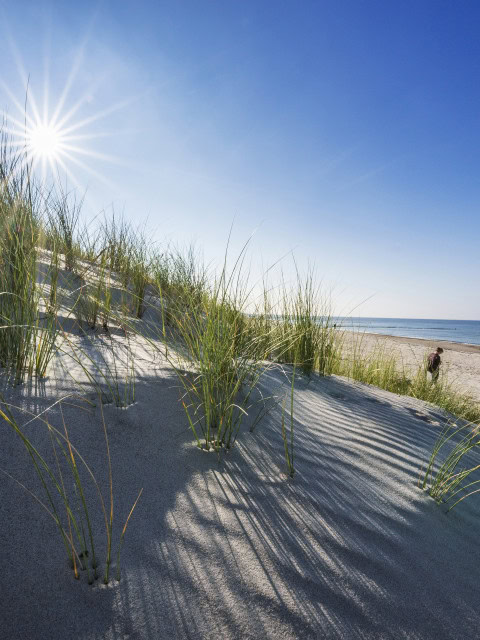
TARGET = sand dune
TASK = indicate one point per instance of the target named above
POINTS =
(350, 548)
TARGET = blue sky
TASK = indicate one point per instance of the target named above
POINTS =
(347, 132)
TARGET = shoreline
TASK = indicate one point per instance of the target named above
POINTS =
(464, 347)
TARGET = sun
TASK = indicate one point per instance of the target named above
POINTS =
(52, 141)
(45, 142)
(57, 135)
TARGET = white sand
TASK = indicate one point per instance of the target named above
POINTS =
(460, 362)
(350, 548)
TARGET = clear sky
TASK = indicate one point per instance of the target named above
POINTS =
(346, 131)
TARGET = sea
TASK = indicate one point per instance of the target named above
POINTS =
(465, 331)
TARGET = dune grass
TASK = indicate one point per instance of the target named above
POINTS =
(65, 479)
(450, 482)
(214, 362)
(116, 239)
(107, 364)
(27, 337)
(307, 337)
(289, 445)
(62, 212)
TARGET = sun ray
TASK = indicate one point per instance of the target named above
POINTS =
(98, 175)
(81, 188)
(43, 168)
(80, 102)
(25, 78)
(19, 105)
(21, 125)
(17, 146)
(14, 133)
(101, 114)
(93, 154)
(68, 173)
(46, 81)
(103, 134)
(74, 70)
(44, 133)
(68, 84)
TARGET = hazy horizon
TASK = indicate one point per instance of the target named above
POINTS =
(410, 318)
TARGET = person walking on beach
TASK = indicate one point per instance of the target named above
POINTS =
(433, 364)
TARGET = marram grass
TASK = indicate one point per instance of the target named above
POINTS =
(457, 476)
(75, 526)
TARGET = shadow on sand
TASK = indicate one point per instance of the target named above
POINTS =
(350, 548)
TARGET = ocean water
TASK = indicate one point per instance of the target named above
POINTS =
(466, 331)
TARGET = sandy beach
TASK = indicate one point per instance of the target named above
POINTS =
(233, 549)
(460, 362)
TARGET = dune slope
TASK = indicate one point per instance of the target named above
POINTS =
(350, 548)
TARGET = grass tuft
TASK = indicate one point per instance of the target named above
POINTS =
(289, 449)
(451, 480)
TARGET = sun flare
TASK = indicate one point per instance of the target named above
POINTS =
(55, 142)
(45, 141)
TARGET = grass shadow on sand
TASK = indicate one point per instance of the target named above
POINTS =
(349, 548)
